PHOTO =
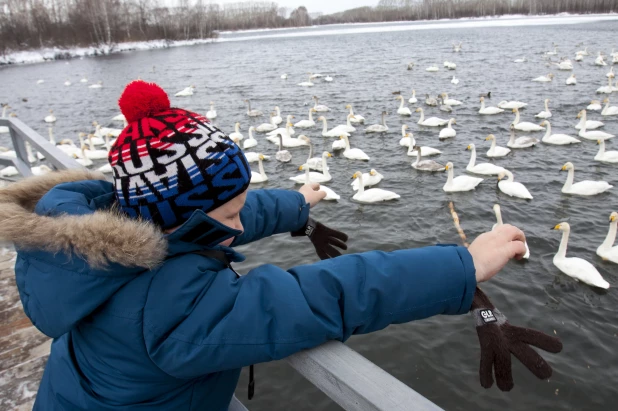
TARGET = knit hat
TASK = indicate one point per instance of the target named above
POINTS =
(169, 162)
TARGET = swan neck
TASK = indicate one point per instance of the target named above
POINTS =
(548, 132)
(611, 235)
(546, 106)
(449, 180)
(249, 105)
(512, 137)
(472, 157)
(569, 180)
(280, 142)
(509, 176)
(347, 142)
(482, 104)
(307, 175)
(401, 106)
(384, 119)
(52, 140)
(237, 128)
(90, 143)
(418, 156)
(325, 167)
(516, 118)
(422, 116)
(351, 110)
(310, 115)
(251, 134)
(325, 129)
(499, 217)
(403, 131)
(601, 148)
(310, 151)
(563, 244)
(361, 187)
(348, 122)
(493, 144)
(4, 112)
(450, 123)
(261, 168)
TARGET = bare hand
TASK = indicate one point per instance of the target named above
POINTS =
(491, 251)
(311, 193)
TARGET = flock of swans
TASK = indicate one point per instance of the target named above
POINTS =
(285, 133)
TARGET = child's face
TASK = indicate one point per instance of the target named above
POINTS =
(229, 214)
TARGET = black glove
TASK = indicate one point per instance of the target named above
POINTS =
(324, 239)
(499, 340)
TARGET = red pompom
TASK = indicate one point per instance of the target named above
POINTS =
(141, 99)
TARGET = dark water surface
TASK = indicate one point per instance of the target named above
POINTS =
(437, 357)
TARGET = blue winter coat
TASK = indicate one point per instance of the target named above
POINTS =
(175, 337)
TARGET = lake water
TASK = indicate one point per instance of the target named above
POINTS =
(437, 357)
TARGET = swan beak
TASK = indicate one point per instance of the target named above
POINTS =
(468, 148)
(340, 137)
(487, 139)
(329, 155)
(355, 176)
(557, 227)
(446, 168)
(261, 157)
(372, 173)
(300, 168)
(418, 110)
(598, 141)
(563, 168)
(579, 115)
(612, 218)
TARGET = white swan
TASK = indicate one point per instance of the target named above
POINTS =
(511, 104)
(557, 139)
(288, 141)
(328, 79)
(369, 179)
(307, 123)
(609, 111)
(606, 89)
(512, 188)
(450, 101)
(284, 76)
(182, 93)
(425, 150)
(277, 117)
(454, 80)
(545, 113)
(212, 113)
(486, 169)
(579, 57)
(432, 69)
(494, 150)
(345, 128)
(425, 165)
(521, 142)
(594, 134)
(330, 194)
(94, 154)
(606, 156)
(236, 135)
(405, 137)
(357, 119)
(571, 80)
(353, 153)
(83, 80)
(67, 83)
(583, 52)
(287, 131)
(525, 126)
(489, 110)
(119, 117)
(335, 132)
(320, 108)
(97, 85)
(449, 131)
(595, 105)
(282, 155)
(583, 188)
(431, 121)
(250, 112)
(267, 127)
(314, 163)
(253, 157)
(338, 145)
(605, 250)
(378, 128)
(50, 118)
(600, 61)
(314, 176)
(552, 53)
(499, 222)
(413, 99)
(13, 154)
(373, 195)
(403, 110)
(610, 73)
(82, 159)
(260, 177)
(520, 60)
(37, 171)
(459, 183)
(578, 268)
(544, 79)
(588, 124)
(450, 65)
(565, 65)
(306, 83)
(251, 141)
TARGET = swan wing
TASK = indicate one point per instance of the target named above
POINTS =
(581, 270)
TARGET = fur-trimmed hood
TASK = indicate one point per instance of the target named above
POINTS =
(75, 222)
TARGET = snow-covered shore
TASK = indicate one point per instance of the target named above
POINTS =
(49, 54)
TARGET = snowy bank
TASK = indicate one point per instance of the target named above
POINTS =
(49, 54)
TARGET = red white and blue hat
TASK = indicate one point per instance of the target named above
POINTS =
(169, 162)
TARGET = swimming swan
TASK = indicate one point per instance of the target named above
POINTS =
(512, 188)
(525, 126)
(307, 123)
(606, 156)
(431, 121)
(545, 114)
(314, 176)
(487, 169)
(260, 177)
(369, 179)
(373, 195)
(499, 222)
(605, 250)
(378, 128)
(353, 153)
(459, 183)
(521, 142)
(577, 268)
(449, 131)
(489, 110)
(496, 151)
(583, 188)
(557, 139)
(425, 165)
(403, 110)
(330, 194)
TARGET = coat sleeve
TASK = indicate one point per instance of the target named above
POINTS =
(268, 212)
(199, 325)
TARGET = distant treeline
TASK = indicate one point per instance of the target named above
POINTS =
(404, 10)
(26, 24)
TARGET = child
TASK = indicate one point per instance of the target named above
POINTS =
(132, 279)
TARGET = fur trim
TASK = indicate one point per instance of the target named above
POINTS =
(100, 238)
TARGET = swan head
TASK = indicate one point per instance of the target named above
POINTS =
(470, 147)
(237, 125)
(482, 99)
(326, 154)
(548, 100)
(497, 208)
(304, 138)
(313, 110)
(490, 137)
(501, 175)
(613, 217)
(606, 100)
(453, 121)
(595, 102)
(418, 110)
(409, 135)
(373, 172)
(343, 137)
(12, 115)
(301, 168)
(290, 125)
(348, 106)
(567, 166)
(235, 140)
(515, 110)
(550, 75)
(399, 97)
(405, 127)
(350, 116)
(562, 227)
(580, 114)
(543, 124)
(251, 128)
(261, 156)
(321, 118)
(449, 166)
(357, 175)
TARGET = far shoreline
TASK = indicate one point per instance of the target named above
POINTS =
(54, 54)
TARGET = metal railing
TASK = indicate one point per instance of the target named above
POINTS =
(348, 378)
